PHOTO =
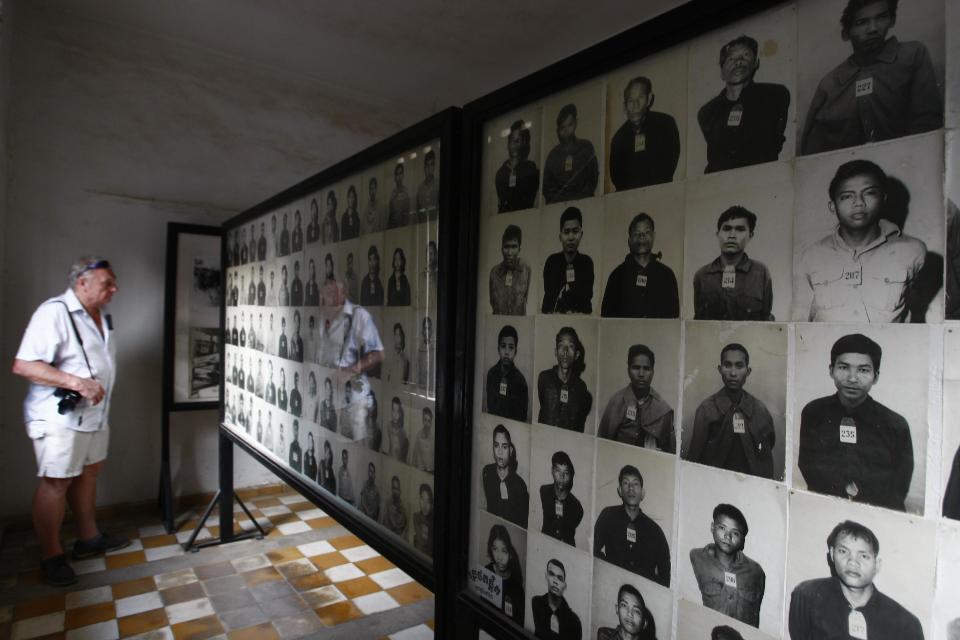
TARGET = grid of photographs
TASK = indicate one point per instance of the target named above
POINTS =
(330, 343)
(691, 270)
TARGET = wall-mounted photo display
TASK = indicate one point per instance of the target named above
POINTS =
(513, 168)
(509, 384)
(625, 605)
(566, 362)
(558, 588)
(572, 155)
(510, 278)
(858, 435)
(497, 561)
(501, 452)
(571, 258)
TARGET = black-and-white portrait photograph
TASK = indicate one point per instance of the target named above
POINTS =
(372, 485)
(572, 144)
(400, 266)
(349, 476)
(396, 415)
(422, 434)
(571, 258)
(397, 334)
(857, 571)
(743, 93)
(425, 365)
(566, 363)
(501, 454)
(946, 610)
(868, 235)
(646, 122)
(738, 245)
(642, 261)
(732, 545)
(634, 507)
(558, 588)
(950, 437)
(349, 268)
(427, 199)
(396, 514)
(509, 384)
(426, 269)
(639, 390)
(511, 264)
(512, 166)
(497, 569)
(561, 485)
(628, 606)
(373, 192)
(734, 398)
(872, 70)
(696, 622)
(400, 200)
(423, 517)
(952, 255)
(372, 270)
(860, 418)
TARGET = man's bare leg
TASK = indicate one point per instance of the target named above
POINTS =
(49, 505)
(82, 496)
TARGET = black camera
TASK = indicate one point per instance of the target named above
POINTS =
(68, 400)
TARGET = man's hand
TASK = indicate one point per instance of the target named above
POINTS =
(91, 390)
(39, 372)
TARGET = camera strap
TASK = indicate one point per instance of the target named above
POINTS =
(77, 335)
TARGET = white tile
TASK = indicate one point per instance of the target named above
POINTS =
(106, 630)
(135, 545)
(390, 578)
(78, 599)
(138, 604)
(277, 510)
(290, 528)
(344, 572)
(419, 632)
(82, 567)
(38, 626)
(292, 498)
(356, 554)
(242, 565)
(159, 553)
(375, 602)
(153, 530)
(183, 536)
(190, 610)
(311, 514)
(317, 548)
(175, 578)
(163, 633)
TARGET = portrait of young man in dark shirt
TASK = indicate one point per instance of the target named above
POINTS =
(562, 511)
(571, 170)
(635, 620)
(568, 274)
(553, 619)
(641, 286)
(507, 394)
(518, 178)
(851, 446)
(565, 400)
(646, 148)
(505, 492)
(510, 279)
(637, 414)
(296, 454)
(371, 288)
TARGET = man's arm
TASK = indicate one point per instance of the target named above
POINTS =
(672, 306)
(701, 430)
(608, 303)
(767, 296)
(808, 141)
(663, 560)
(39, 372)
(610, 420)
(672, 152)
(802, 308)
(925, 110)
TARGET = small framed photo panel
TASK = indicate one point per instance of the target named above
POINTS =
(573, 152)
(950, 466)
(350, 267)
(640, 384)
(400, 266)
(733, 126)
(566, 362)
(427, 265)
(643, 254)
(899, 277)
(509, 384)
(510, 275)
(557, 574)
(512, 166)
(634, 507)
(398, 498)
(349, 211)
(738, 244)
(572, 258)
(371, 268)
(425, 366)
(560, 503)
(497, 564)
(399, 201)
(859, 435)
(396, 417)
(423, 518)
(422, 434)
(946, 610)
(646, 128)
(695, 622)
(952, 283)
(501, 452)
(906, 98)
(733, 419)
(397, 333)
(374, 191)
(835, 544)
(732, 545)
(624, 600)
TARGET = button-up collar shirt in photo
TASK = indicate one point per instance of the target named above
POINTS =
(647, 423)
(749, 297)
(735, 591)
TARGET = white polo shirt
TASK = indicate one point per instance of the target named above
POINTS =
(50, 338)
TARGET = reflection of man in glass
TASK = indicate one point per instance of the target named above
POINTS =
(349, 340)
(427, 191)
(571, 170)
(507, 394)
(518, 179)
(637, 414)
(636, 622)
(851, 446)
(729, 581)
(399, 206)
(848, 604)
(510, 279)
(370, 494)
(395, 512)
(646, 148)
(505, 492)
(562, 511)
(625, 536)
(568, 274)
(885, 89)
(553, 618)
(344, 482)
(565, 400)
(423, 444)
(641, 286)
(371, 289)
(423, 521)
(744, 124)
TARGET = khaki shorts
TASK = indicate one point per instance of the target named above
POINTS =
(63, 453)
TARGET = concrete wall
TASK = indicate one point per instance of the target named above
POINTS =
(112, 134)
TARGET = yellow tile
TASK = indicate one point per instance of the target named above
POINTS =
(133, 588)
(259, 576)
(358, 587)
(142, 622)
(312, 581)
(321, 523)
(328, 560)
(338, 613)
(345, 542)
(262, 631)
(158, 541)
(284, 555)
(374, 565)
(92, 614)
(40, 607)
(126, 559)
(197, 629)
(410, 593)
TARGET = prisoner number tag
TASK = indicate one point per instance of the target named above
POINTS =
(857, 625)
(503, 388)
(507, 606)
(739, 425)
(853, 275)
(631, 533)
(503, 491)
(568, 163)
(398, 284)
(554, 623)
(632, 412)
(864, 88)
(729, 579)
(848, 431)
(729, 279)
(508, 280)
(513, 179)
(571, 274)
(640, 142)
(641, 280)
(736, 115)
(558, 508)
(564, 396)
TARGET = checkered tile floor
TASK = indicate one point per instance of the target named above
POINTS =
(305, 577)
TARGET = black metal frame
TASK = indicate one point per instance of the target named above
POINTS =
(436, 576)
(167, 404)
(669, 29)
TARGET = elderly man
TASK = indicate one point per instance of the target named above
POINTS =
(67, 354)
